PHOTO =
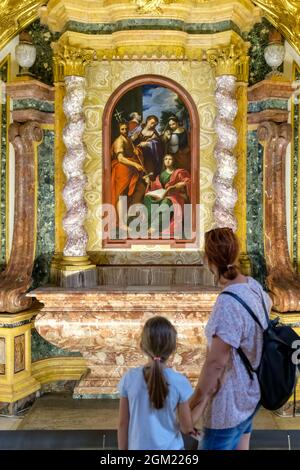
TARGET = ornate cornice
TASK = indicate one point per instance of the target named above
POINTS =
(59, 12)
(167, 45)
(70, 61)
(284, 15)
(15, 16)
(231, 59)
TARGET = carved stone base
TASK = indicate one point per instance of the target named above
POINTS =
(73, 272)
(105, 326)
(79, 278)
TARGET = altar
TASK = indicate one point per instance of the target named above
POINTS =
(144, 125)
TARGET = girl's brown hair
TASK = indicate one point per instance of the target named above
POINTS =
(158, 341)
(222, 250)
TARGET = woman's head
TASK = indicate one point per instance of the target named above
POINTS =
(169, 161)
(222, 251)
(158, 341)
(173, 123)
(152, 121)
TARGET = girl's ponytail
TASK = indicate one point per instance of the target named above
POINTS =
(157, 385)
(158, 341)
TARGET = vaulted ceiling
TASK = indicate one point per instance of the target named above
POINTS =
(15, 15)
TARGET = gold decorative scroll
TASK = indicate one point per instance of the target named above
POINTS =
(15, 16)
(151, 6)
(284, 15)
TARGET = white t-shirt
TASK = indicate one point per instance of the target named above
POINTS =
(239, 395)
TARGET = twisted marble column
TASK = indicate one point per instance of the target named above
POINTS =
(226, 194)
(73, 191)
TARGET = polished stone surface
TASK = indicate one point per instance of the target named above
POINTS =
(104, 325)
(4, 145)
(45, 241)
(255, 224)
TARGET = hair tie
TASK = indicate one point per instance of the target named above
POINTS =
(230, 266)
(157, 358)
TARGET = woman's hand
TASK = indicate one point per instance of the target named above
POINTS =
(179, 185)
(143, 144)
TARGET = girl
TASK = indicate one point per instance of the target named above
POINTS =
(225, 390)
(152, 395)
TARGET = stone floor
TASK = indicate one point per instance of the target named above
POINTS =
(60, 411)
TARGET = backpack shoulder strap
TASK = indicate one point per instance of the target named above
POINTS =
(265, 308)
(241, 353)
(246, 306)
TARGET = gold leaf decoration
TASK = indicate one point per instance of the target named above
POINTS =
(284, 15)
(151, 6)
(15, 16)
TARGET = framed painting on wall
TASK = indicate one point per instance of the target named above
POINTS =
(151, 164)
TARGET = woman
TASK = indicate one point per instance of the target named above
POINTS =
(167, 211)
(177, 143)
(227, 395)
(146, 138)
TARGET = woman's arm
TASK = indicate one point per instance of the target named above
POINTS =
(211, 374)
(123, 424)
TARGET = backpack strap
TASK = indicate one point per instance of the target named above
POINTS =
(246, 362)
(241, 353)
(246, 306)
(265, 309)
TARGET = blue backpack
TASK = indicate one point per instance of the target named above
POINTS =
(276, 372)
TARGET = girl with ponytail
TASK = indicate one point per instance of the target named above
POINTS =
(151, 396)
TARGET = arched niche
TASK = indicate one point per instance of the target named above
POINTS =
(114, 110)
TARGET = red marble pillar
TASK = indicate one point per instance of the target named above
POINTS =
(24, 133)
